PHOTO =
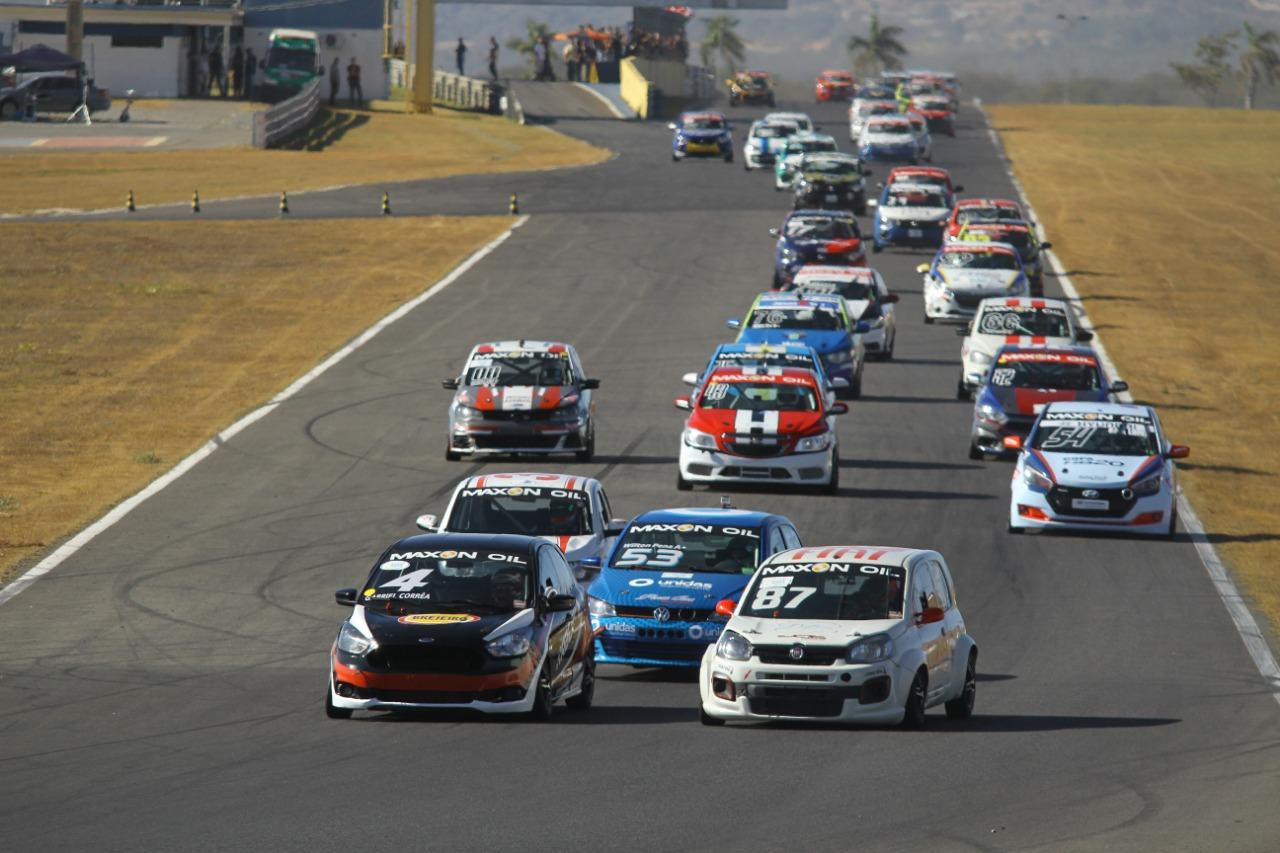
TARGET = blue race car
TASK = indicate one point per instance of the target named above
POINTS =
(819, 320)
(654, 602)
(767, 356)
(910, 214)
(701, 134)
(829, 237)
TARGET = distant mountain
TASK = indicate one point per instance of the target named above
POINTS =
(1119, 38)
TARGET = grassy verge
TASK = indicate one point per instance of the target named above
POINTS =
(346, 147)
(1168, 220)
(116, 363)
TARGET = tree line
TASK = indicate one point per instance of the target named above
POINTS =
(1246, 58)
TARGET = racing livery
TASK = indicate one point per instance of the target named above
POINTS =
(701, 134)
(866, 298)
(846, 633)
(1017, 320)
(750, 87)
(889, 139)
(1023, 380)
(833, 86)
(747, 356)
(963, 274)
(910, 215)
(1019, 234)
(829, 237)
(924, 140)
(765, 141)
(760, 426)
(491, 623)
(818, 320)
(830, 181)
(1096, 466)
(786, 167)
(985, 209)
(936, 109)
(654, 602)
(521, 397)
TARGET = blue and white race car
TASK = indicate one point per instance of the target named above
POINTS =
(1095, 466)
(911, 215)
(654, 603)
(830, 237)
(701, 134)
(818, 320)
(766, 140)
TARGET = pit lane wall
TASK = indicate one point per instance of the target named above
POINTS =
(638, 91)
(657, 87)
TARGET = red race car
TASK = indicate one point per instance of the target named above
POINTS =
(933, 175)
(936, 109)
(833, 86)
(981, 208)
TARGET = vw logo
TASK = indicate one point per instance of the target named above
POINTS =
(1090, 493)
(797, 652)
(662, 614)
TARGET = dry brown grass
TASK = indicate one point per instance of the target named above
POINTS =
(124, 346)
(1169, 220)
(361, 147)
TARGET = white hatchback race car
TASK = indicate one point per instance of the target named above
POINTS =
(866, 297)
(569, 511)
(1095, 466)
(1012, 320)
(800, 120)
(964, 274)
(848, 634)
(765, 141)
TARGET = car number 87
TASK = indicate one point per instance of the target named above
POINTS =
(770, 597)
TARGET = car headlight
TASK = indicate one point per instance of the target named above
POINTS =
(733, 646)
(509, 645)
(698, 438)
(980, 357)
(1036, 478)
(788, 254)
(875, 322)
(351, 641)
(600, 607)
(988, 412)
(467, 413)
(839, 356)
(1147, 485)
(566, 413)
(886, 224)
(814, 443)
(871, 649)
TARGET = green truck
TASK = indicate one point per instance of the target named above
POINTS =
(292, 61)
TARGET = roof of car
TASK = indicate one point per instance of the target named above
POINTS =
(919, 170)
(522, 346)
(790, 347)
(883, 555)
(701, 114)
(1099, 408)
(987, 202)
(788, 299)
(1024, 301)
(908, 186)
(704, 515)
(826, 271)
(526, 480)
(468, 541)
(822, 214)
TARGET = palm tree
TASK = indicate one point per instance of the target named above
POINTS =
(880, 50)
(534, 31)
(1211, 69)
(1259, 60)
(722, 38)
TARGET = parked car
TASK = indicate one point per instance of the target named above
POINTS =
(52, 93)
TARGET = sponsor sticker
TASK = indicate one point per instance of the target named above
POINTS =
(437, 618)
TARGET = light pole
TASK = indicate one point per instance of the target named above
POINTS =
(1070, 22)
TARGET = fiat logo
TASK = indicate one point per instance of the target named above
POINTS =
(797, 652)
(662, 614)
(1090, 493)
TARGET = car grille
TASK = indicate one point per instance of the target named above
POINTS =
(798, 701)
(1060, 498)
(813, 655)
(521, 415)
(683, 614)
(761, 447)
(686, 652)
(441, 659)
(518, 442)
(968, 300)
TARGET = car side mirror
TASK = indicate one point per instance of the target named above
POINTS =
(838, 408)
(428, 523)
(557, 603)
(590, 384)
(839, 383)
(930, 615)
(586, 568)
(724, 606)
(1046, 245)
(1119, 386)
(1179, 451)
(774, 232)
(682, 403)
(959, 188)
(862, 327)
(922, 268)
(345, 597)
(615, 527)
(1012, 442)
(1084, 335)
(671, 125)
(689, 379)
(449, 384)
(733, 323)
(892, 297)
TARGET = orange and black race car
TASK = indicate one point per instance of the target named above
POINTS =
(833, 86)
(750, 87)
(485, 622)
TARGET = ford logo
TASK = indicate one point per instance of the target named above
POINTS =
(1090, 493)
(662, 614)
(797, 652)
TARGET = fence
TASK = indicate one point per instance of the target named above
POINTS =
(286, 118)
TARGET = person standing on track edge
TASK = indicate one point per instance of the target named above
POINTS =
(493, 57)
(335, 77)
(901, 96)
(461, 53)
(353, 83)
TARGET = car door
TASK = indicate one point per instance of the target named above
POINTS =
(932, 643)
(952, 625)
(561, 642)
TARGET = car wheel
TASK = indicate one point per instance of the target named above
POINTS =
(588, 452)
(542, 704)
(708, 720)
(893, 342)
(975, 452)
(9, 110)
(1016, 531)
(330, 710)
(961, 707)
(450, 454)
(833, 488)
(582, 701)
(913, 711)
(860, 207)
(681, 483)
(674, 158)
(855, 387)
(928, 321)
(728, 158)
(962, 391)
(1173, 523)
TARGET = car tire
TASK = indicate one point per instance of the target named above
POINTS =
(975, 452)
(9, 110)
(450, 455)
(962, 391)
(913, 710)
(587, 453)
(542, 704)
(1016, 531)
(961, 707)
(893, 343)
(1172, 532)
(860, 207)
(582, 702)
(855, 387)
(330, 710)
(928, 321)
(708, 720)
(682, 484)
(728, 158)
(833, 487)
(674, 158)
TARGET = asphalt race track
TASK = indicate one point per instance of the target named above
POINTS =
(162, 689)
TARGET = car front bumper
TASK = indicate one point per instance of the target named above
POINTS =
(927, 234)
(508, 692)
(481, 438)
(647, 642)
(713, 466)
(701, 149)
(1031, 509)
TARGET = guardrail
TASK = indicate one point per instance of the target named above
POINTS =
(286, 118)
(467, 93)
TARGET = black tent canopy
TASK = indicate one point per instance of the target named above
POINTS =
(40, 57)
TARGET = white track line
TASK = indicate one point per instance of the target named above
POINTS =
(1254, 640)
(127, 506)
(613, 108)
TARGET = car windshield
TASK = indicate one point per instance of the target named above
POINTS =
(971, 214)
(796, 317)
(1046, 370)
(759, 396)
(523, 510)
(448, 581)
(849, 288)
(933, 103)
(915, 178)
(819, 228)
(774, 131)
(517, 369)
(895, 128)
(1096, 434)
(806, 146)
(1049, 322)
(687, 547)
(1018, 238)
(842, 591)
(704, 123)
(292, 58)
(914, 198)
(828, 166)
(959, 259)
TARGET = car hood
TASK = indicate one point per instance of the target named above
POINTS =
(701, 135)
(966, 279)
(449, 629)
(823, 342)
(666, 589)
(826, 632)
(1030, 401)
(822, 178)
(513, 398)
(916, 214)
(831, 247)
(886, 139)
(1085, 470)
(718, 422)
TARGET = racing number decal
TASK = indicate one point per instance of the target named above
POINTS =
(767, 598)
(408, 582)
(649, 555)
(1002, 376)
(486, 375)
(1068, 437)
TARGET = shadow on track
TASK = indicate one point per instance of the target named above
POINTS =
(908, 465)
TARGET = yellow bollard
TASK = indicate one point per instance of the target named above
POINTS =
(386, 204)
(195, 201)
(514, 207)
(284, 203)
(129, 205)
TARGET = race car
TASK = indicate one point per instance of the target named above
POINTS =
(701, 134)
(932, 175)
(936, 109)
(521, 397)
(830, 182)
(985, 209)
(785, 168)
(765, 141)
(1017, 320)
(800, 120)
(829, 237)
(889, 139)
(833, 86)
(570, 512)
(750, 87)
(488, 623)
(866, 298)
(848, 634)
(964, 274)
(748, 357)
(1022, 380)
(654, 602)
(761, 427)
(818, 320)
(1096, 466)
(1017, 233)
(910, 215)
(864, 108)
(924, 140)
